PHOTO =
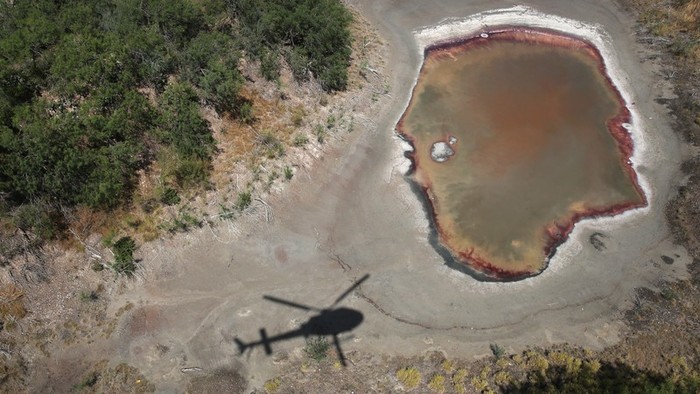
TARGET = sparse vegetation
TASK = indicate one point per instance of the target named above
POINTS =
(317, 347)
(89, 381)
(298, 114)
(409, 377)
(270, 144)
(448, 366)
(272, 385)
(183, 221)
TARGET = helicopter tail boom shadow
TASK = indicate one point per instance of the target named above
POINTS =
(264, 340)
(242, 346)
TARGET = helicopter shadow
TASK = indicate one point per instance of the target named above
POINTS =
(328, 322)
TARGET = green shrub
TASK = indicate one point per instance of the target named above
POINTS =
(245, 112)
(270, 144)
(38, 218)
(300, 140)
(183, 222)
(169, 196)
(191, 172)
(124, 256)
(96, 266)
(315, 34)
(317, 347)
(87, 296)
(244, 200)
(288, 172)
(269, 65)
(498, 351)
(320, 133)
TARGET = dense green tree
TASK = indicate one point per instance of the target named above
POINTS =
(93, 90)
(181, 125)
(316, 31)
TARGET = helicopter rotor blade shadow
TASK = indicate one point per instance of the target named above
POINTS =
(290, 303)
(350, 290)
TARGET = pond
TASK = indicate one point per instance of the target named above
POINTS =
(517, 135)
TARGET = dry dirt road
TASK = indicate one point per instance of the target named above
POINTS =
(353, 213)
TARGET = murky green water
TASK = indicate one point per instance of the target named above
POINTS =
(532, 149)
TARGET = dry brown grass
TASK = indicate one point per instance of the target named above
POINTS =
(676, 21)
(12, 302)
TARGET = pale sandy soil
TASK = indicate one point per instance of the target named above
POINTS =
(352, 212)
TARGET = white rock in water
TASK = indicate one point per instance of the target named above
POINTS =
(452, 140)
(441, 151)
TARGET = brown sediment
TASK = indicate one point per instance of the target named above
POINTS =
(557, 232)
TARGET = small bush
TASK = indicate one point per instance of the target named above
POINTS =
(459, 376)
(288, 172)
(226, 213)
(191, 172)
(245, 113)
(320, 133)
(108, 239)
(458, 381)
(317, 348)
(501, 378)
(498, 351)
(300, 140)
(447, 366)
(298, 114)
(409, 377)
(169, 196)
(269, 65)
(668, 294)
(244, 200)
(271, 145)
(89, 381)
(437, 383)
(330, 121)
(272, 385)
(124, 256)
(40, 219)
(479, 384)
(183, 222)
(96, 266)
(87, 296)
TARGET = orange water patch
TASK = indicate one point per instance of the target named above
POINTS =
(540, 145)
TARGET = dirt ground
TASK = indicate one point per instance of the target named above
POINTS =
(349, 211)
